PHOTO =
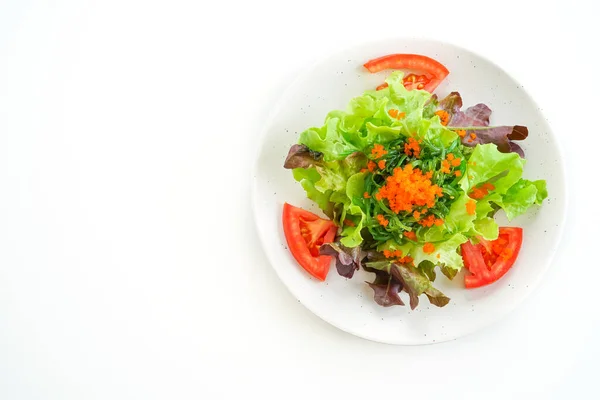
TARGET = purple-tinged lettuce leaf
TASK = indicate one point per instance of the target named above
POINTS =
(477, 115)
(386, 288)
(451, 103)
(413, 282)
(449, 272)
(391, 278)
(436, 297)
(515, 148)
(476, 119)
(501, 136)
(301, 156)
(428, 269)
(347, 259)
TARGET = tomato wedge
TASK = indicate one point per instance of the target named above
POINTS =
(305, 232)
(410, 82)
(488, 261)
(433, 73)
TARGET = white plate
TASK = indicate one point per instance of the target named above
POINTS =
(348, 304)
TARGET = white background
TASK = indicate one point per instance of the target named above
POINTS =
(129, 263)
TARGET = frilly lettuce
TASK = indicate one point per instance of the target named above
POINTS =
(367, 122)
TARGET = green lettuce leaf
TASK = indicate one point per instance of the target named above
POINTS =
(521, 196)
(487, 163)
(434, 132)
(511, 193)
(485, 227)
(308, 178)
(355, 187)
(351, 235)
(335, 184)
(484, 208)
(457, 221)
(447, 251)
(328, 140)
(367, 121)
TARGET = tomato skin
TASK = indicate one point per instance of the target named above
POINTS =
(412, 62)
(504, 256)
(305, 247)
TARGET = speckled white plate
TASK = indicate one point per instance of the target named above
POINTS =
(348, 304)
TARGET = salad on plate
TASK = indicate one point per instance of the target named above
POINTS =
(410, 184)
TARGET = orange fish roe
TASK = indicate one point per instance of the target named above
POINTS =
(445, 167)
(407, 188)
(382, 221)
(378, 151)
(437, 255)
(417, 215)
(477, 194)
(371, 166)
(444, 117)
(428, 248)
(428, 221)
(397, 254)
(454, 161)
(438, 222)
(366, 195)
(410, 235)
(412, 148)
(381, 164)
(363, 170)
(461, 133)
(457, 173)
(471, 207)
(390, 254)
(473, 136)
(405, 260)
(481, 191)
(396, 114)
(348, 222)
